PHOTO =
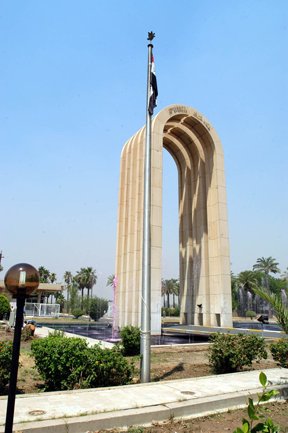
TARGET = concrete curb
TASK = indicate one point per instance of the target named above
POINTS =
(193, 408)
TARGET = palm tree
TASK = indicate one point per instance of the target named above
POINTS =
(44, 274)
(169, 287)
(91, 279)
(266, 265)
(110, 280)
(247, 280)
(234, 291)
(81, 282)
(276, 302)
(284, 275)
(176, 291)
(68, 278)
(52, 277)
(86, 278)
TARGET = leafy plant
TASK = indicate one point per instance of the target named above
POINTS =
(68, 363)
(4, 306)
(77, 312)
(279, 351)
(255, 412)
(107, 367)
(251, 314)
(229, 353)
(130, 339)
(170, 311)
(98, 307)
(281, 312)
(5, 363)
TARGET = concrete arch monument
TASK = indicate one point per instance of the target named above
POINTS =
(205, 290)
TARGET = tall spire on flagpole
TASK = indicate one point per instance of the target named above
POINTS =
(145, 346)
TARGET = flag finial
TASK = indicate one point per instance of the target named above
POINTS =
(151, 36)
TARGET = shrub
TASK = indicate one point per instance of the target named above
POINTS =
(77, 312)
(229, 353)
(279, 352)
(170, 311)
(251, 314)
(4, 307)
(68, 363)
(108, 367)
(98, 307)
(61, 361)
(130, 339)
(5, 363)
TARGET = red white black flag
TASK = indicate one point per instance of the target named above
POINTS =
(153, 88)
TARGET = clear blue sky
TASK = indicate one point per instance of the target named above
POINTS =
(72, 91)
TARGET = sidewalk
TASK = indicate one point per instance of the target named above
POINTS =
(81, 411)
(44, 331)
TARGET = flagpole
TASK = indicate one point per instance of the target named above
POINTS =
(145, 342)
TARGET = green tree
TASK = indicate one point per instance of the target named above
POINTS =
(86, 278)
(276, 284)
(266, 265)
(234, 291)
(59, 298)
(98, 307)
(44, 274)
(52, 277)
(68, 278)
(74, 301)
(176, 292)
(110, 280)
(4, 306)
(169, 287)
(248, 280)
(275, 300)
(284, 277)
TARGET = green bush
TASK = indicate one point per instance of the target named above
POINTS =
(5, 363)
(77, 312)
(130, 339)
(251, 314)
(279, 351)
(98, 307)
(229, 353)
(68, 363)
(170, 311)
(108, 367)
(4, 307)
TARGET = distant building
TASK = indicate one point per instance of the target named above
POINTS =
(40, 295)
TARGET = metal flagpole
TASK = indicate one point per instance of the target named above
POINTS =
(145, 344)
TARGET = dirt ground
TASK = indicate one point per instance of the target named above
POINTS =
(167, 363)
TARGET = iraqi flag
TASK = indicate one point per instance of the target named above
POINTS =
(153, 88)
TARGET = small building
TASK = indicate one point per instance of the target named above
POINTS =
(40, 295)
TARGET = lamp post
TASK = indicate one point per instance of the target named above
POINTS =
(21, 280)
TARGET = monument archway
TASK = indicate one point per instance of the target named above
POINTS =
(204, 259)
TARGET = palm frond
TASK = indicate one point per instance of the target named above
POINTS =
(281, 312)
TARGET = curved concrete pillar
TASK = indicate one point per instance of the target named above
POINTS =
(203, 229)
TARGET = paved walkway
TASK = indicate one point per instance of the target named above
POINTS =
(83, 411)
(44, 331)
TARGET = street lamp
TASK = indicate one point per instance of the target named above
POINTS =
(21, 280)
